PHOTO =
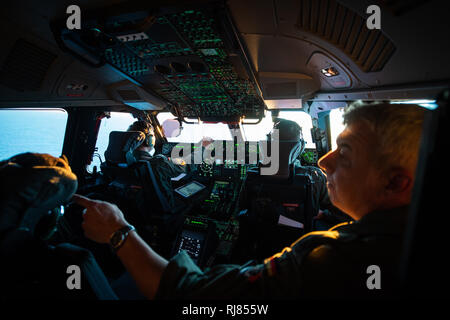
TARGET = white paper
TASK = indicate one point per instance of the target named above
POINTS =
(289, 222)
(179, 177)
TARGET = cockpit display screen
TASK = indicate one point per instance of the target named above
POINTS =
(189, 189)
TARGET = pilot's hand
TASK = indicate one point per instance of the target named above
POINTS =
(100, 219)
(178, 161)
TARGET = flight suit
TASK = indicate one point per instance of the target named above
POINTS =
(337, 263)
(164, 170)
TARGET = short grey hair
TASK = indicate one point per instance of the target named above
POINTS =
(398, 128)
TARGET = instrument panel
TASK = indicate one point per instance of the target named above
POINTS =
(232, 154)
(309, 157)
(212, 221)
(211, 224)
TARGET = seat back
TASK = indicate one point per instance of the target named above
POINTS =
(121, 146)
(280, 210)
(423, 271)
(126, 173)
(31, 269)
(287, 153)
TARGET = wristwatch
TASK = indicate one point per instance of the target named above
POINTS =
(118, 238)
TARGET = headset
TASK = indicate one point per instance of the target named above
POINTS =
(145, 128)
(149, 139)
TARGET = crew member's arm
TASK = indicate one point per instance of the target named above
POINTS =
(100, 220)
(168, 166)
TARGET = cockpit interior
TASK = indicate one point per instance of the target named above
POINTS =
(212, 78)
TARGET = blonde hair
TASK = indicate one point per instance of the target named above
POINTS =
(398, 128)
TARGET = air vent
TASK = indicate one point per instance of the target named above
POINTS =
(330, 20)
(129, 95)
(25, 66)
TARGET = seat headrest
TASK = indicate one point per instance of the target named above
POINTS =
(121, 146)
(288, 151)
(296, 149)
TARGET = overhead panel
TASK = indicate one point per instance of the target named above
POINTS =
(189, 57)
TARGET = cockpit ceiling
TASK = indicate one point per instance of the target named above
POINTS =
(306, 36)
(269, 49)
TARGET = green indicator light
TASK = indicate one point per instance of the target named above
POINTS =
(197, 222)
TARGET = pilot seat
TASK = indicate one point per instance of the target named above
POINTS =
(133, 186)
(280, 205)
(34, 186)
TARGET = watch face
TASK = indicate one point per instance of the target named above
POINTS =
(116, 239)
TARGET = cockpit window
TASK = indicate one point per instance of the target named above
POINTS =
(336, 119)
(429, 104)
(336, 125)
(259, 131)
(118, 121)
(304, 121)
(32, 130)
(196, 131)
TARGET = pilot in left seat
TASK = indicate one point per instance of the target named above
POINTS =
(163, 168)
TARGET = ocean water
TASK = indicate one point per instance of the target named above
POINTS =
(31, 131)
